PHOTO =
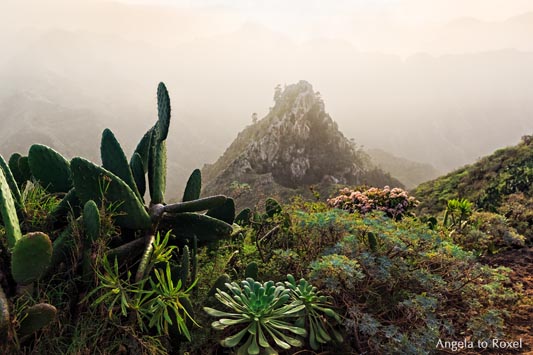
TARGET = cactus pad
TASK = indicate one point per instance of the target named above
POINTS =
(196, 205)
(14, 166)
(36, 318)
(9, 213)
(194, 186)
(11, 182)
(138, 171)
(143, 149)
(24, 168)
(91, 181)
(206, 229)
(243, 218)
(114, 159)
(224, 212)
(252, 270)
(157, 172)
(220, 283)
(31, 257)
(163, 112)
(91, 221)
(50, 168)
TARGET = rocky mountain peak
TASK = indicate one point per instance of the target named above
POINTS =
(296, 144)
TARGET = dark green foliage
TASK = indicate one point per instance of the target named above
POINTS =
(184, 266)
(91, 221)
(243, 218)
(9, 213)
(205, 228)
(115, 161)
(252, 270)
(272, 207)
(35, 318)
(157, 171)
(50, 168)
(24, 168)
(69, 203)
(97, 184)
(163, 112)
(143, 149)
(193, 187)
(11, 182)
(220, 284)
(138, 171)
(31, 257)
(224, 212)
(197, 205)
(15, 169)
(486, 183)
(372, 241)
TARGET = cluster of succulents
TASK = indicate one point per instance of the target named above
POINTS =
(86, 189)
(394, 202)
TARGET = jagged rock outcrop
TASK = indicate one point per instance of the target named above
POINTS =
(297, 144)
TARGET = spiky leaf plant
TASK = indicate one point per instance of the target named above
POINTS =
(261, 315)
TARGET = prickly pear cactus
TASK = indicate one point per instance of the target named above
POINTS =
(31, 257)
(50, 168)
(193, 187)
(157, 172)
(114, 160)
(224, 212)
(14, 166)
(243, 218)
(36, 318)
(205, 228)
(252, 270)
(220, 284)
(9, 213)
(91, 221)
(138, 171)
(93, 182)
(11, 182)
(24, 168)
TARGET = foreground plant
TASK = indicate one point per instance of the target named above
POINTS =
(261, 313)
(315, 314)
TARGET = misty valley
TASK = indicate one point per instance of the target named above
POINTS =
(230, 177)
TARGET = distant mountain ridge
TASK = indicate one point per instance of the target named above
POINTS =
(410, 173)
(297, 144)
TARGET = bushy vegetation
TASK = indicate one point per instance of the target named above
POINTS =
(87, 266)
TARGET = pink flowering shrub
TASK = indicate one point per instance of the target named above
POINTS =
(394, 202)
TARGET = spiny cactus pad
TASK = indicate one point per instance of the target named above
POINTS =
(91, 221)
(70, 202)
(243, 218)
(36, 318)
(196, 205)
(14, 166)
(206, 229)
(114, 159)
(157, 172)
(252, 270)
(9, 213)
(31, 257)
(220, 283)
(163, 112)
(138, 171)
(50, 168)
(24, 168)
(224, 212)
(93, 182)
(11, 181)
(143, 149)
(194, 186)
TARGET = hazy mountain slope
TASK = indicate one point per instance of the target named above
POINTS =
(487, 183)
(409, 172)
(297, 144)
